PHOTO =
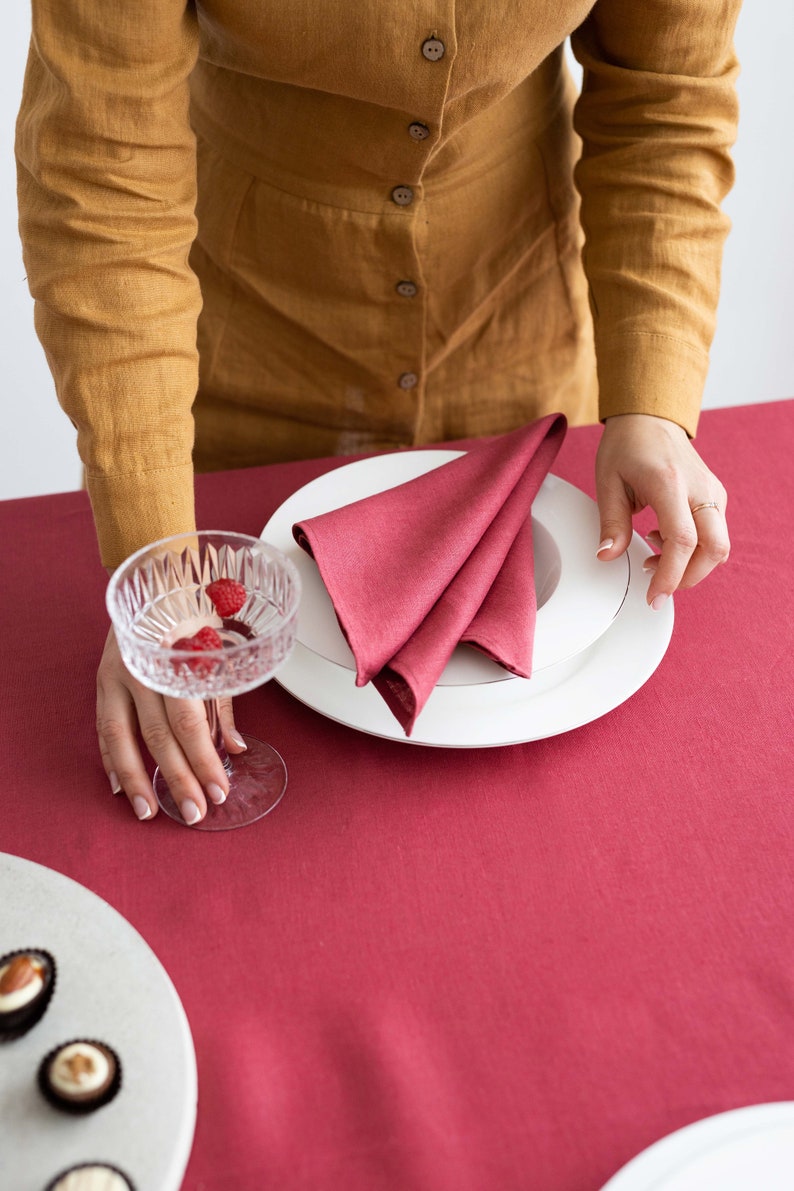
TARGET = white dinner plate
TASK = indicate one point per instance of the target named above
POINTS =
(746, 1149)
(578, 596)
(564, 697)
(109, 986)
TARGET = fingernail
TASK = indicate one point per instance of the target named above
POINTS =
(238, 740)
(141, 807)
(115, 784)
(190, 812)
(659, 601)
(607, 544)
(650, 563)
(216, 793)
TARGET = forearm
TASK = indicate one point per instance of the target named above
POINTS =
(107, 195)
(657, 116)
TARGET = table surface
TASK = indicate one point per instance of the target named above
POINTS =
(427, 970)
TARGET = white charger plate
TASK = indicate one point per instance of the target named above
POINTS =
(565, 527)
(746, 1149)
(110, 986)
(515, 711)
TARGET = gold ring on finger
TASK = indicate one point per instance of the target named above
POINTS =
(707, 504)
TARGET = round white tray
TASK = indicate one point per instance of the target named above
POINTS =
(112, 987)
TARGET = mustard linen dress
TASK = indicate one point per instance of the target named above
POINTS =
(274, 230)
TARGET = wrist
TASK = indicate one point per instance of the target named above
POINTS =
(645, 421)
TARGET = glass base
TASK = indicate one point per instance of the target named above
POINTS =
(256, 785)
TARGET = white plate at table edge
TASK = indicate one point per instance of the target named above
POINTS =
(103, 964)
(564, 516)
(670, 1157)
(495, 714)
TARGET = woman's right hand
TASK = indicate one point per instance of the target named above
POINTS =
(176, 733)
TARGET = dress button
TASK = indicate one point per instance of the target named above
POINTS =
(420, 132)
(406, 289)
(408, 380)
(433, 49)
(403, 196)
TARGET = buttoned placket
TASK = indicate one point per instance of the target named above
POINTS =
(422, 132)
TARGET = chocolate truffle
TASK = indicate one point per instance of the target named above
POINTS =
(80, 1076)
(91, 1176)
(27, 979)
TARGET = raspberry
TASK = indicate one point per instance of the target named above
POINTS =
(227, 595)
(206, 638)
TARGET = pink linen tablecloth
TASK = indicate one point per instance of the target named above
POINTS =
(437, 970)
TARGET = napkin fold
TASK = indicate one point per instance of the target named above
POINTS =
(444, 558)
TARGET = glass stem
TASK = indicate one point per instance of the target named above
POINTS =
(214, 720)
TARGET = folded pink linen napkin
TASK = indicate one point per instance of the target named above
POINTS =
(444, 558)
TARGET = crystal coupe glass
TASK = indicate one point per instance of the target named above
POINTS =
(159, 597)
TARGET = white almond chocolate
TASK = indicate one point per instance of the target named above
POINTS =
(16, 991)
(80, 1069)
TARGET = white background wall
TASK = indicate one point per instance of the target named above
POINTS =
(753, 353)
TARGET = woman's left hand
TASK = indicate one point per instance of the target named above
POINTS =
(645, 461)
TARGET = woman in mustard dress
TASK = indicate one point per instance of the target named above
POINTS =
(274, 231)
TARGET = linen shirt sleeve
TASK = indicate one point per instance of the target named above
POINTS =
(106, 186)
(657, 116)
